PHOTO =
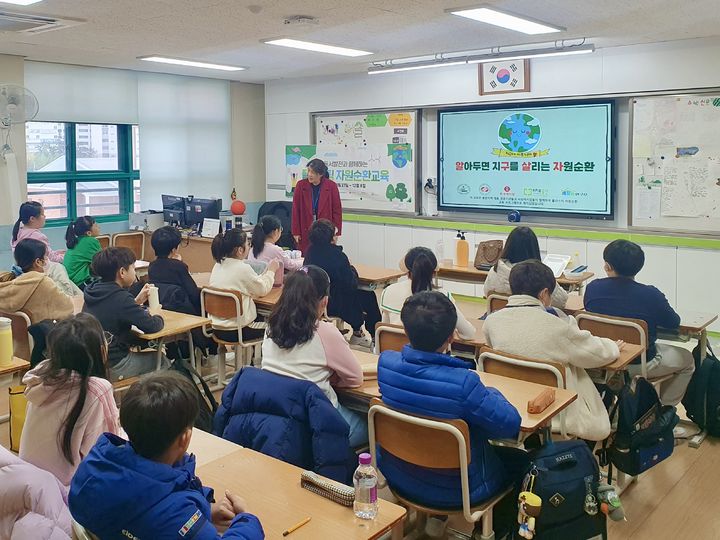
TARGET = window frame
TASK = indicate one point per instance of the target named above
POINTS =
(125, 175)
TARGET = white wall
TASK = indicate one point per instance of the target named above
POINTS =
(248, 140)
(633, 69)
(11, 72)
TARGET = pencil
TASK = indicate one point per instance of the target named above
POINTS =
(296, 527)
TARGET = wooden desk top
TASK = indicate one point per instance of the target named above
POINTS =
(272, 490)
(375, 275)
(267, 302)
(479, 339)
(176, 323)
(629, 352)
(691, 322)
(517, 392)
(470, 273)
(17, 364)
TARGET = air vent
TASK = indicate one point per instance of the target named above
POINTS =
(33, 24)
(300, 20)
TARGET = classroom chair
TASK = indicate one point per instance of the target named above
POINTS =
(135, 241)
(496, 302)
(104, 240)
(430, 443)
(225, 304)
(390, 337)
(523, 368)
(22, 340)
(81, 533)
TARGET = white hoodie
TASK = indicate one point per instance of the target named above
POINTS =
(498, 281)
(525, 328)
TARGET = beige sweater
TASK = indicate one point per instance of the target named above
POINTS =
(498, 281)
(238, 275)
(36, 295)
(525, 328)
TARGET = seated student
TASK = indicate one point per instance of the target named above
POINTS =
(352, 305)
(421, 264)
(169, 269)
(146, 487)
(230, 249)
(527, 326)
(32, 217)
(423, 380)
(28, 289)
(112, 304)
(70, 400)
(621, 296)
(82, 245)
(268, 231)
(299, 344)
(520, 245)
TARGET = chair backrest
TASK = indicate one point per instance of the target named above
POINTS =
(221, 303)
(425, 442)
(135, 241)
(81, 533)
(522, 368)
(629, 330)
(496, 302)
(104, 240)
(22, 340)
(390, 337)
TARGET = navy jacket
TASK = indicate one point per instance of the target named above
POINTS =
(625, 297)
(288, 419)
(164, 273)
(440, 386)
(118, 494)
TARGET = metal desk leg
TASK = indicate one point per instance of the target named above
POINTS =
(159, 354)
(703, 341)
(192, 350)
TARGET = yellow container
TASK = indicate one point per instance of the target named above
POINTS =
(6, 342)
(462, 250)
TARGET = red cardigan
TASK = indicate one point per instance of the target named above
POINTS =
(329, 207)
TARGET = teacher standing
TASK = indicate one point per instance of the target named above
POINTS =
(316, 197)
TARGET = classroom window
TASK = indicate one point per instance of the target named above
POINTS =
(83, 169)
(45, 146)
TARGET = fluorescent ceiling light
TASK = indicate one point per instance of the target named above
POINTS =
(505, 20)
(390, 67)
(20, 2)
(316, 47)
(190, 63)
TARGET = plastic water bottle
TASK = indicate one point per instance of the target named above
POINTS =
(365, 480)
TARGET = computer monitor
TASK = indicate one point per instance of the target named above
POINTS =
(174, 210)
(196, 210)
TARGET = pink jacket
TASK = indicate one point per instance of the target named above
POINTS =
(32, 502)
(271, 252)
(36, 234)
(48, 407)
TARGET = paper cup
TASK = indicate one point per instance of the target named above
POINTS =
(153, 298)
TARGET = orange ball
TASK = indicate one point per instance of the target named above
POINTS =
(238, 208)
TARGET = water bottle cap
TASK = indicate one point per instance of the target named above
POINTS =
(365, 458)
(5, 322)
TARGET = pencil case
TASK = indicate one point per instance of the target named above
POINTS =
(335, 491)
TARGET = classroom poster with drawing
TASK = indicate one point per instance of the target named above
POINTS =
(676, 163)
(371, 156)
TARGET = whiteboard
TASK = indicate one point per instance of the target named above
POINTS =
(373, 157)
(675, 163)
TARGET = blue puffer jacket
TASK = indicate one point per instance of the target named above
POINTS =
(288, 419)
(118, 494)
(440, 386)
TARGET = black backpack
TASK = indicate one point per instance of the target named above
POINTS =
(208, 404)
(644, 435)
(565, 473)
(702, 397)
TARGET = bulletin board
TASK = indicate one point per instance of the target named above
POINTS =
(372, 156)
(675, 163)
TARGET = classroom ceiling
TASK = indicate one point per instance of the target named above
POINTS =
(116, 32)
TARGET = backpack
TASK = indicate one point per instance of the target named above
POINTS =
(565, 473)
(644, 435)
(208, 405)
(702, 397)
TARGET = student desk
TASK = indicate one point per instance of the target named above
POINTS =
(175, 324)
(12, 374)
(517, 392)
(272, 490)
(470, 274)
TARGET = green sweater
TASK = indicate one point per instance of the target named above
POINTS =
(77, 260)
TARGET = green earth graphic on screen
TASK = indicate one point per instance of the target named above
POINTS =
(519, 132)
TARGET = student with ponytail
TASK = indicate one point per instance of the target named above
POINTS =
(421, 265)
(82, 245)
(70, 400)
(299, 344)
(264, 236)
(231, 272)
(32, 218)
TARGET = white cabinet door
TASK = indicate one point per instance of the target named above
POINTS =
(698, 285)
(371, 244)
(398, 241)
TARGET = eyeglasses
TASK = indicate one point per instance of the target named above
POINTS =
(108, 337)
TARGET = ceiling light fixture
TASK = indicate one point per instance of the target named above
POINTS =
(20, 2)
(506, 20)
(316, 47)
(190, 63)
(441, 60)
